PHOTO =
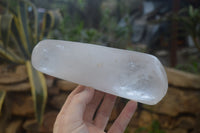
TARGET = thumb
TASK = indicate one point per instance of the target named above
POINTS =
(72, 112)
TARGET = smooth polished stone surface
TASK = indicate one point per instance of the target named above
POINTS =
(128, 74)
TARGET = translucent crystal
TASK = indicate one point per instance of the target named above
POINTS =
(128, 74)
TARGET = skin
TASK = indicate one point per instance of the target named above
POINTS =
(77, 114)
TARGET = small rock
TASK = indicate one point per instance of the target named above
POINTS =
(177, 101)
(145, 119)
(182, 79)
(49, 81)
(58, 100)
(21, 69)
(14, 127)
(131, 129)
(22, 105)
(186, 122)
(66, 85)
(25, 86)
(14, 77)
(49, 119)
(177, 130)
(31, 126)
(165, 121)
(52, 91)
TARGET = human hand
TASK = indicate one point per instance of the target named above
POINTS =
(77, 114)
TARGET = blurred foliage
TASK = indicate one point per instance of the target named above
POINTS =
(190, 19)
(80, 23)
(20, 30)
(154, 128)
(192, 66)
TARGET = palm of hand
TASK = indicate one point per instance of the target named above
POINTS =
(88, 111)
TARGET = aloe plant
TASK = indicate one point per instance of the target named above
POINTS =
(19, 33)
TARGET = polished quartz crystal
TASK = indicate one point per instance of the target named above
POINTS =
(128, 74)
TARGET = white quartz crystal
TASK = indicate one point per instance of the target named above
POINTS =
(128, 74)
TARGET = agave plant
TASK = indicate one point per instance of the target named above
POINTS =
(20, 30)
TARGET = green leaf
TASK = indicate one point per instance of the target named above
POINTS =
(9, 54)
(34, 23)
(9, 5)
(5, 28)
(51, 19)
(38, 89)
(2, 97)
(16, 35)
(20, 29)
(24, 25)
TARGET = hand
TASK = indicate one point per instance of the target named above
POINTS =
(77, 114)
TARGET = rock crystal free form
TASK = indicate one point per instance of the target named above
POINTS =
(128, 74)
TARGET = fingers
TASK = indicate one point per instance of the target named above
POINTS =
(104, 111)
(72, 111)
(69, 98)
(122, 121)
(92, 106)
(77, 106)
(74, 107)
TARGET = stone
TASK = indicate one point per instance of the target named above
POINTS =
(21, 105)
(58, 100)
(14, 77)
(31, 126)
(66, 85)
(177, 101)
(48, 122)
(145, 119)
(182, 79)
(186, 122)
(49, 81)
(4, 120)
(128, 74)
(52, 91)
(24, 86)
(14, 127)
(177, 130)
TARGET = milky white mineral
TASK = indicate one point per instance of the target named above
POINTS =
(128, 74)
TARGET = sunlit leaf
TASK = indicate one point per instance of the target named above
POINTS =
(24, 19)
(51, 19)
(34, 32)
(2, 97)
(38, 89)
(17, 37)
